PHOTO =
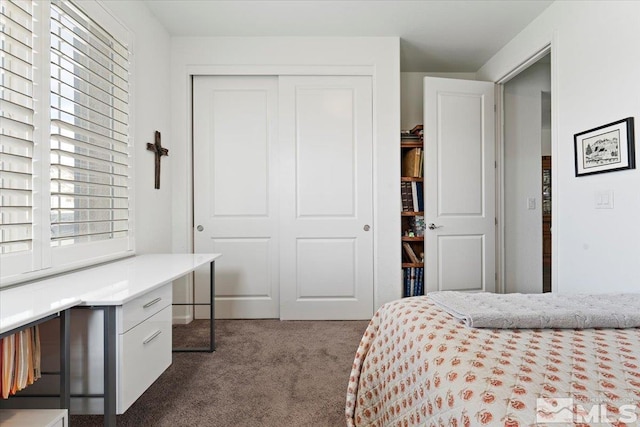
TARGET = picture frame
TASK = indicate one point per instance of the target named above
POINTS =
(606, 148)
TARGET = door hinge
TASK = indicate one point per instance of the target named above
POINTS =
(496, 221)
(495, 164)
(495, 108)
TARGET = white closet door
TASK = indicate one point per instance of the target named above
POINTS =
(235, 192)
(326, 240)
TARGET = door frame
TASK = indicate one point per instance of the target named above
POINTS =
(263, 70)
(500, 161)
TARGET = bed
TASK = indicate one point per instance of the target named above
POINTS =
(418, 365)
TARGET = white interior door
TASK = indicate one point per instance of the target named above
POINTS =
(326, 241)
(235, 192)
(459, 123)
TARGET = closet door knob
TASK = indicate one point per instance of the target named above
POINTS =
(432, 226)
(366, 227)
(200, 228)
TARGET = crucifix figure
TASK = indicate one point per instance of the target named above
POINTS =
(159, 152)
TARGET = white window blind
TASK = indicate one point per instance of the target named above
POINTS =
(89, 129)
(65, 165)
(17, 117)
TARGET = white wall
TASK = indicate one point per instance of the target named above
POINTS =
(379, 56)
(595, 69)
(150, 112)
(522, 172)
(411, 105)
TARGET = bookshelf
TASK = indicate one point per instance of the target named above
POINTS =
(412, 215)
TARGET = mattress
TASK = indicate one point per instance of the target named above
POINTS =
(417, 365)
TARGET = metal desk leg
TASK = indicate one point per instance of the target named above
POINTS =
(65, 359)
(109, 365)
(212, 319)
(212, 298)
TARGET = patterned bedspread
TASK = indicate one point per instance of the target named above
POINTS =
(416, 365)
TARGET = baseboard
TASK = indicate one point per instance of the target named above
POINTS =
(182, 320)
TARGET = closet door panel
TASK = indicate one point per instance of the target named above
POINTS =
(236, 193)
(338, 281)
(326, 209)
(325, 149)
(237, 281)
(240, 153)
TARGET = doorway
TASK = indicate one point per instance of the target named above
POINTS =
(526, 166)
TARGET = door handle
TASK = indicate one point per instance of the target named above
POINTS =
(366, 227)
(199, 228)
(432, 226)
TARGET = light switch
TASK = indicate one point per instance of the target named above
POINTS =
(604, 199)
(531, 203)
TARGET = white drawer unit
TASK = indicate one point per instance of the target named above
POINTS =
(145, 353)
(34, 418)
(143, 350)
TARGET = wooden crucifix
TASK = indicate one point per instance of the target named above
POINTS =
(159, 152)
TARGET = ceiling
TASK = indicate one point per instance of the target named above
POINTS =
(436, 36)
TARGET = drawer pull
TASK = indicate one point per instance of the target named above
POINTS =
(150, 303)
(152, 337)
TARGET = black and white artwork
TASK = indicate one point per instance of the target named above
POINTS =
(601, 149)
(605, 148)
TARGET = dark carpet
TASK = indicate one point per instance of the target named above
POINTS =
(263, 373)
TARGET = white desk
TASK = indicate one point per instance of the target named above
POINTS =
(103, 287)
(25, 306)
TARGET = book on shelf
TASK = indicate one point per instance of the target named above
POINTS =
(412, 194)
(418, 190)
(409, 281)
(411, 162)
(407, 198)
(419, 282)
(413, 281)
(410, 253)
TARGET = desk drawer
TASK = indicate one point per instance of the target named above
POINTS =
(34, 418)
(145, 353)
(147, 305)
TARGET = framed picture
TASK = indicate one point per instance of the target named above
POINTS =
(605, 149)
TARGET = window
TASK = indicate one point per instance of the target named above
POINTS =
(16, 142)
(65, 183)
